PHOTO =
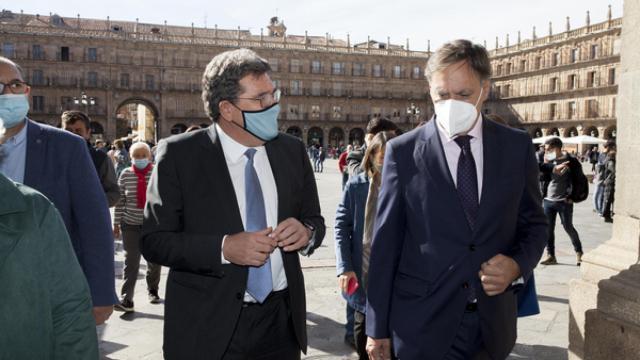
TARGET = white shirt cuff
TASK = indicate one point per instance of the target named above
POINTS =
(223, 261)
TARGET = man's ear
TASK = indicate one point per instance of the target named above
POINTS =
(226, 110)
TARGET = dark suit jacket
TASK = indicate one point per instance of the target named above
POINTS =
(425, 255)
(58, 165)
(191, 206)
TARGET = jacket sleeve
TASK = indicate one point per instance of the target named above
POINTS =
(388, 238)
(164, 240)
(344, 232)
(531, 232)
(121, 205)
(109, 181)
(92, 220)
(310, 205)
(74, 332)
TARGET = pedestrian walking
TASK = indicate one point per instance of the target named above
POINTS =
(563, 170)
(128, 217)
(355, 220)
(232, 222)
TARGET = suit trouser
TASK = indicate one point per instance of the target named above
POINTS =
(264, 331)
(131, 236)
(468, 342)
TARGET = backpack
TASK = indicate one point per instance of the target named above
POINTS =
(579, 182)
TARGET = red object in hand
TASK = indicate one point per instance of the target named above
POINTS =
(352, 286)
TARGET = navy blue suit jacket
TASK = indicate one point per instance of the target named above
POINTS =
(349, 229)
(58, 165)
(425, 255)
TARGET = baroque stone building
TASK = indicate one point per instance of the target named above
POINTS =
(561, 84)
(146, 78)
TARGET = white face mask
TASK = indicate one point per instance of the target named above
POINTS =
(550, 156)
(456, 116)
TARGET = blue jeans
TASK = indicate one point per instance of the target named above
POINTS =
(565, 210)
(598, 198)
(348, 327)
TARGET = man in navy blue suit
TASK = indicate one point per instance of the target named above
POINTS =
(57, 164)
(459, 225)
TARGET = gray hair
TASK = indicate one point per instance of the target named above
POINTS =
(221, 78)
(460, 50)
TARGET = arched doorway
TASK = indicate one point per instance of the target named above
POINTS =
(553, 131)
(315, 136)
(610, 133)
(295, 131)
(96, 129)
(178, 129)
(137, 118)
(356, 136)
(536, 133)
(570, 132)
(336, 137)
(592, 131)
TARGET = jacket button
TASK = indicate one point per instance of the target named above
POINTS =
(238, 296)
(465, 285)
(472, 247)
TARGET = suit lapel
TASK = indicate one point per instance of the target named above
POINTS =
(276, 157)
(35, 157)
(215, 169)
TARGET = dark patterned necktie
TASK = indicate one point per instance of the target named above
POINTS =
(467, 180)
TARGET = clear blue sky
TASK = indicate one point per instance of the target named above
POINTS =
(418, 20)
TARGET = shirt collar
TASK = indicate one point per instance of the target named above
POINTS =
(18, 138)
(233, 150)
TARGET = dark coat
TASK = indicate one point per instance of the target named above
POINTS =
(59, 166)
(424, 253)
(191, 206)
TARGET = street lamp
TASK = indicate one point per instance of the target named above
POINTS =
(414, 112)
(85, 101)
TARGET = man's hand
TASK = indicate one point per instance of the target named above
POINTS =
(116, 231)
(291, 235)
(561, 168)
(102, 313)
(498, 273)
(379, 349)
(343, 280)
(249, 248)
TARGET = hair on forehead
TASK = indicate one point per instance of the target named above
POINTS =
(139, 145)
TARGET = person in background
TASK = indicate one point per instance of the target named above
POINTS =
(79, 123)
(120, 156)
(598, 197)
(559, 165)
(102, 147)
(342, 165)
(355, 219)
(129, 214)
(374, 126)
(322, 154)
(609, 182)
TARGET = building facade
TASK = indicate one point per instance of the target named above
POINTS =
(331, 88)
(563, 84)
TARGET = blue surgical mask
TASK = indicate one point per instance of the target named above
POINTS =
(262, 124)
(141, 163)
(13, 109)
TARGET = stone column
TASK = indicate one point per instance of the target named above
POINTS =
(605, 302)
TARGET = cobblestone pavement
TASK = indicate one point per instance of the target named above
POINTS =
(544, 336)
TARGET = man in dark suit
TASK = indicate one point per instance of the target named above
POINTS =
(459, 224)
(57, 164)
(229, 208)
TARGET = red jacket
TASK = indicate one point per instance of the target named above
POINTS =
(342, 161)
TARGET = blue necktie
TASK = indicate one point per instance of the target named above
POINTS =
(259, 283)
(467, 180)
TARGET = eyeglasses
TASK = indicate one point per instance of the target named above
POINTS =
(266, 100)
(14, 87)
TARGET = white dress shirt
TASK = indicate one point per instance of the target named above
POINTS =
(236, 161)
(452, 152)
